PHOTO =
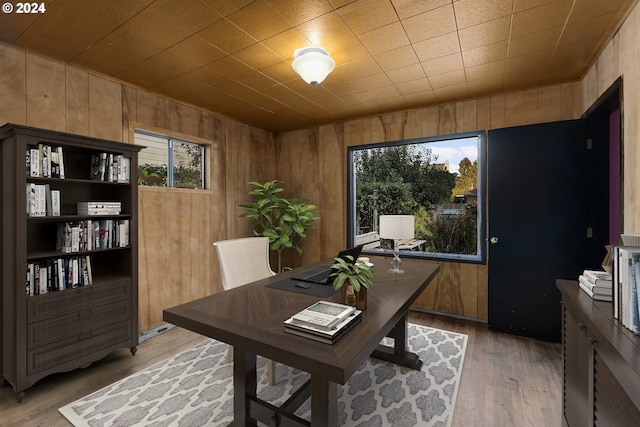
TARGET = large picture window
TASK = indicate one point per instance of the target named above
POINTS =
(170, 162)
(439, 180)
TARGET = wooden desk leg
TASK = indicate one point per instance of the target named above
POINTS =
(244, 386)
(324, 402)
(399, 354)
(400, 334)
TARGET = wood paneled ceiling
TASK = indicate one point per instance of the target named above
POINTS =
(234, 57)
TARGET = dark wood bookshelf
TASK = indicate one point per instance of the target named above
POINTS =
(62, 330)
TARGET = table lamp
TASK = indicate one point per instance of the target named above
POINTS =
(396, 227)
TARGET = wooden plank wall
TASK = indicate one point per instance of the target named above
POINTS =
(178, 227)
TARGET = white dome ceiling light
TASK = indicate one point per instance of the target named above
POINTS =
(313, 64)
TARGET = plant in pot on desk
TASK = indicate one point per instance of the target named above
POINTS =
(353, 278)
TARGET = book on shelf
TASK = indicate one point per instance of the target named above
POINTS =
(50, 275)
(106, 234)
(98, 166)
(42, 200)
(55, 164)
(61, 276)
(58, 274)
(31, 279)
(320, 334)
(123, 233)
(99, 208)
(45, 151)
(112, 234)
(323, 315)
(108, 174)
(110, 167)
(73, 277)
(45, 161)
(31, 200)
(43, 280)
(125, 170)
(63, 237)
(60, 163)
(89, 275)
(34, 162)
(626, 275)
(55, 202)
(86, 235)
(36, 199)
(47, 200)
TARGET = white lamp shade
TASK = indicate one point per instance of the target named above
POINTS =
(313, 64)
(397, 226)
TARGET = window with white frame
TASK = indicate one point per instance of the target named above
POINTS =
(170, 162)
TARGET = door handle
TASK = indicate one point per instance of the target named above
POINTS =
(493, 240)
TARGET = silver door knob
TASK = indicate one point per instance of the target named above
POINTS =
(493, 240)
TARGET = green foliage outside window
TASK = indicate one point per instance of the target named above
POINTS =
(454, 236)
(187, 177)
(156, 176)
(407, 179)
(187, 165)
(152, 175)
(169, 162)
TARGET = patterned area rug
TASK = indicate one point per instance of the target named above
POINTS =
(195, 388)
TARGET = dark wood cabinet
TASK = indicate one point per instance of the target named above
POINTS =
(576, 365)
(60, 330)
(601, 362)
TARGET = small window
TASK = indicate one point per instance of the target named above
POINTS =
(170, 162)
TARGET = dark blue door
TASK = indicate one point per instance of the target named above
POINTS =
(537, 223)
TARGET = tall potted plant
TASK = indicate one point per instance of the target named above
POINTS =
(284, 221)
(353, 278)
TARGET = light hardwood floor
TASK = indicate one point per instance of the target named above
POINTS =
(506, 380)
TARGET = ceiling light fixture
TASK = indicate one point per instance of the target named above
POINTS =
(313, 64)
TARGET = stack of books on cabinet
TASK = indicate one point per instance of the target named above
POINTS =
(323, 321)
(69, 253)
(597, 284)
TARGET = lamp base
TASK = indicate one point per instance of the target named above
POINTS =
(395, 263)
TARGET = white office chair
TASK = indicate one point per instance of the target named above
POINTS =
(243, 261)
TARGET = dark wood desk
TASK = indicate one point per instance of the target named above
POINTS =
(250, 318)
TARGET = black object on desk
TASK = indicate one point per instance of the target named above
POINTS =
(314, 289)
